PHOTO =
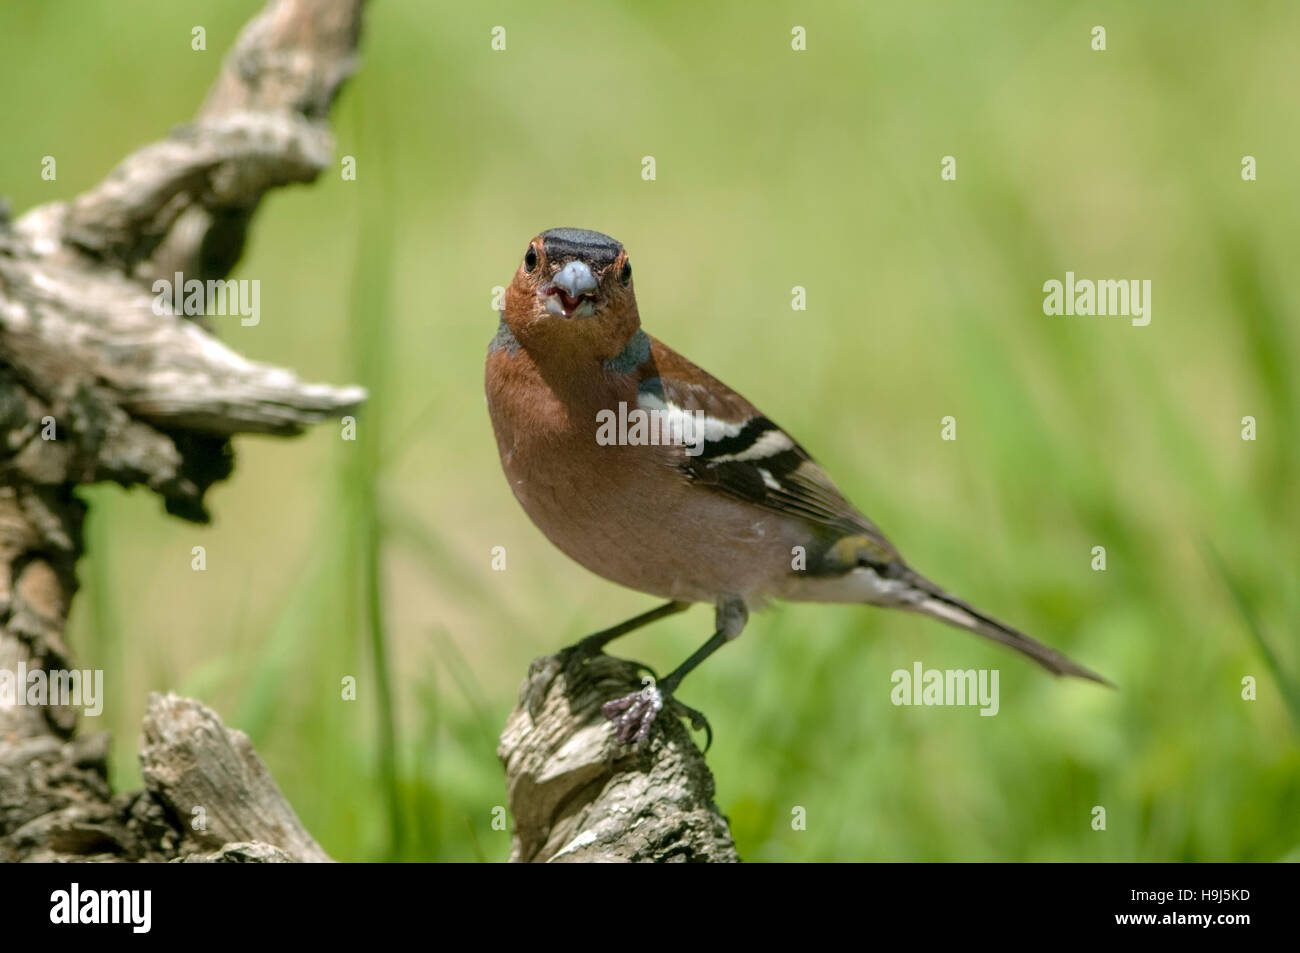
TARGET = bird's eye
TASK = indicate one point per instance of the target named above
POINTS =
(626, 274)
(530, 259)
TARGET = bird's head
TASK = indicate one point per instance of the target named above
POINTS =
(573, 291)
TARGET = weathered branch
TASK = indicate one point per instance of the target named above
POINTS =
(577, 795)
(73, 335)
(207, 797)
(197, 767)
(100, 380)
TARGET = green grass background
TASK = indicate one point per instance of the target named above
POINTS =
(330, 558)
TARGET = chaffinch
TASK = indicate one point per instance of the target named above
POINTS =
(652, 473)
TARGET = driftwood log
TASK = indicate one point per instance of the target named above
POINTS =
(96, 385)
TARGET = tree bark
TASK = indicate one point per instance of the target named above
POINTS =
(95, 385)
(576, 794)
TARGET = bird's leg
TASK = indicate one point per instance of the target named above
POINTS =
(634, 714)
(596, 642)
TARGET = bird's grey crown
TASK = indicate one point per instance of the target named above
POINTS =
(589, 246)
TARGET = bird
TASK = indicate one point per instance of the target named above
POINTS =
(653, 474)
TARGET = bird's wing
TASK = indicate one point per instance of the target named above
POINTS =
(748, 457)
(745, 455)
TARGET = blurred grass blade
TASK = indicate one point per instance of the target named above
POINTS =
(1286, 685)
(463, 677)
(368, 332)
(450, 567)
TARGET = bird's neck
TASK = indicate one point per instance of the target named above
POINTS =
(576, 362)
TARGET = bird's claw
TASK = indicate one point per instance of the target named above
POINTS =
(696, 718)
(633, 715)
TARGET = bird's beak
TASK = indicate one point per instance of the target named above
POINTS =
(572, 290)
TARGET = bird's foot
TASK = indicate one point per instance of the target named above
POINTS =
(633, 715)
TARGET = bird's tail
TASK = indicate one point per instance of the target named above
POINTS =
(933, 601)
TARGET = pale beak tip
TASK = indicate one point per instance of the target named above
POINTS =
(575, 279)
